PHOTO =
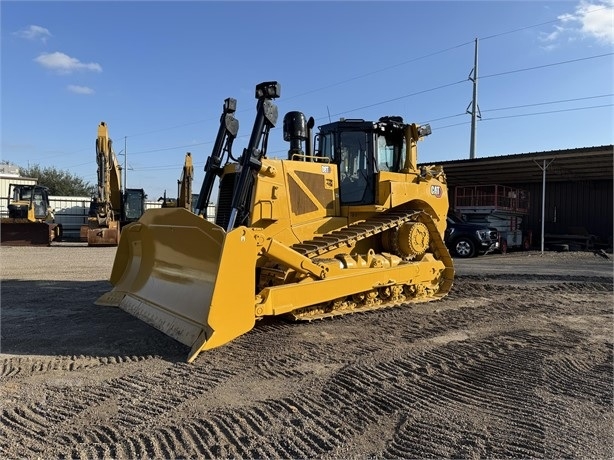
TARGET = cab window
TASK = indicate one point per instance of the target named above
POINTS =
(390, 151)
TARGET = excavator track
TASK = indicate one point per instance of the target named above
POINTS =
(382, 297)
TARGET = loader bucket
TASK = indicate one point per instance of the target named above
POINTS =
(186, 277)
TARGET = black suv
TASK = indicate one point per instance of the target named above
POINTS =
(465, 239)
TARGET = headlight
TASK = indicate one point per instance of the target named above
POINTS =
(484, 236)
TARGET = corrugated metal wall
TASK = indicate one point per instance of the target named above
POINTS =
(5, 181)
(587, 204)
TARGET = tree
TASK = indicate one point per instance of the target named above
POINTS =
(62, 183)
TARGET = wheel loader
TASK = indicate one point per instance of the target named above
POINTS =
(31, 220)
(346, 223)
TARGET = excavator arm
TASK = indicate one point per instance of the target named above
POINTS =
(184, 197)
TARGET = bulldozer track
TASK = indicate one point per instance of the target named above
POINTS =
(344, 237)
(348, 236)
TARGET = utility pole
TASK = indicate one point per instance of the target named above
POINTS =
(475, 110)
(125, 164)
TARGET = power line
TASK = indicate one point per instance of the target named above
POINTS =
(548, 112)
(383, 69)
(560, 101)
(392, 100)
(545, 65)
(425, 56)
(395, 99)
(536, 25)
(402, 97)
(526, 115)
(464, 80)
(389, 100)
(332, 85)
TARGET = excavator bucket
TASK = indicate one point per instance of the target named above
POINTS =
(103, 236)
(186, 277)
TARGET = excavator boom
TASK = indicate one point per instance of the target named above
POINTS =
(184, 184)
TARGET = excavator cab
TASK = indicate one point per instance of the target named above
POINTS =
(133, 205)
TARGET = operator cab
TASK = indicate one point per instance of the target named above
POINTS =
(361, 149)
(134, 204)
(22, 196)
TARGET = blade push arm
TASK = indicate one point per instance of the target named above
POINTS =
(250, 160)
(229, 126)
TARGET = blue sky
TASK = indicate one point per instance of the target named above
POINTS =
(158, 72)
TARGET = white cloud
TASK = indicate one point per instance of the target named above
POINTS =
(65, 64)
(598, 24)
(33, 32)
(591, 19)
(80, 89)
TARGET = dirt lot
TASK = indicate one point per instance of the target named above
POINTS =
(515, 362)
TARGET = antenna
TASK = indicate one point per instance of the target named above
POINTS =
(329, 120)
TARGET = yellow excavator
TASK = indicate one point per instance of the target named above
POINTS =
(110, 208)
(31, 220)
(184, 187)
(349, 226)
(184, 184)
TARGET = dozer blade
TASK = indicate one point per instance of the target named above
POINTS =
(186, 277)
(15, 233)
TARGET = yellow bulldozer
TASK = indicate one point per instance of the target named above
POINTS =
(30, 220)
(350, 225)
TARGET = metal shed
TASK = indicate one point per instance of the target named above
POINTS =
(577, 182)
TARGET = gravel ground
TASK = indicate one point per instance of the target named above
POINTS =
(515, 362)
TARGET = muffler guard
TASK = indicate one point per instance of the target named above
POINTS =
(186, 277)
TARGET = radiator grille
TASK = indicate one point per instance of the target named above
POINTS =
(224, 201)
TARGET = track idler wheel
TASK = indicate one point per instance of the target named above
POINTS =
(410, 240)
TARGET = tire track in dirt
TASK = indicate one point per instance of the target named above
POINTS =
(430, 381)
(447, 362)
(130, 396)
(25, 367)
(565, 375)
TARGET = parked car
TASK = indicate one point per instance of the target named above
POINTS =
(465, 239)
